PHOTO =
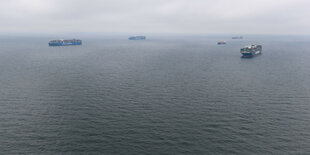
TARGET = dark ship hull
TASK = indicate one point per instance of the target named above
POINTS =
(250, 55)
(137, 38)
(63, 42)
(221, 42)
(238, 37)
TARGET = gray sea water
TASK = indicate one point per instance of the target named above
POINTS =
(164, 95)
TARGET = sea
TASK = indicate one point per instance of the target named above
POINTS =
(178, 94)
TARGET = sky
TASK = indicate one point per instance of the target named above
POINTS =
(156, 16)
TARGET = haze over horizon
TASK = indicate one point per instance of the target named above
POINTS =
(155, 16)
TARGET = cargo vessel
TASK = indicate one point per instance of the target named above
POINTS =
(137, 38)
(251, 51)
(221, 42)
(237, 37)
(63, 42)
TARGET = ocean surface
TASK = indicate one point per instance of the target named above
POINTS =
(164, 95)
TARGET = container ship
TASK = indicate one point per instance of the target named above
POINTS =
(63, 42)
(251, 51)
(137, 38)
(221, 42)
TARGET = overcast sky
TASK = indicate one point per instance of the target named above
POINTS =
(156, 16)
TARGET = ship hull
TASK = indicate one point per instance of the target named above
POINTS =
(237, 37)
(64, 44)
(137, 38)
(221, 43)
(250, 55)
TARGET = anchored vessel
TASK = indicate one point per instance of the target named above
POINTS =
(62, 42)
(250, 51)
(137, 38)
(237, 37)
(221, 42)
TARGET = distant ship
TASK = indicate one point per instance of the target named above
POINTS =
(250, 51)
(221, 42)
(137, 38)
(237, 37)
(62, 42)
